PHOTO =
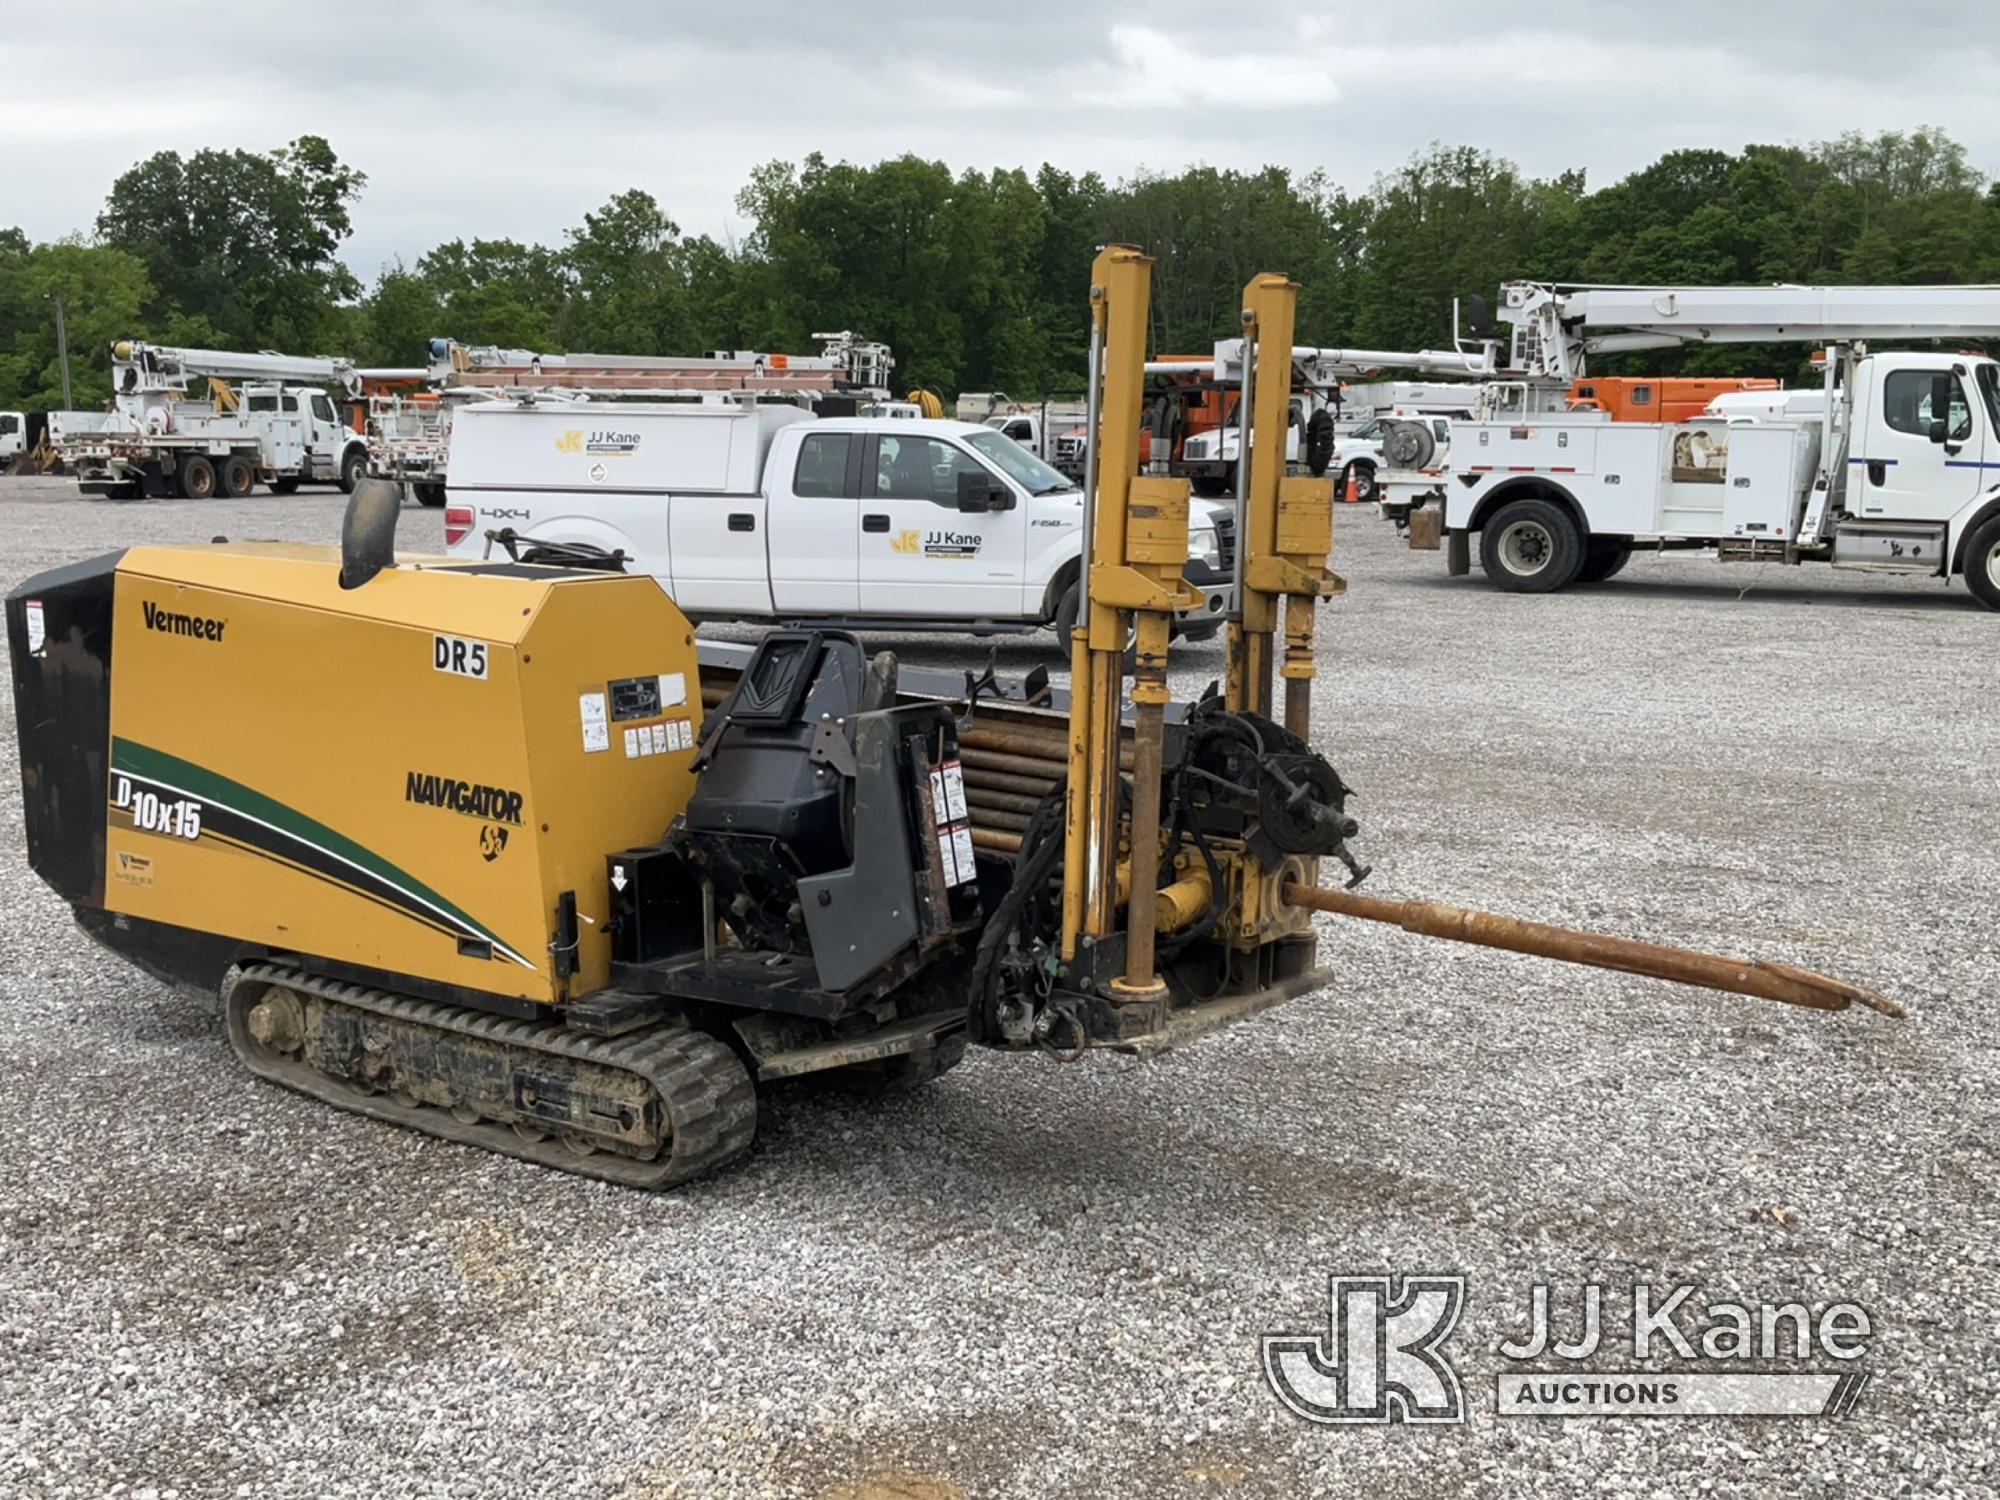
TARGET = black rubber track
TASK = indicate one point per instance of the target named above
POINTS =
(709, 1101)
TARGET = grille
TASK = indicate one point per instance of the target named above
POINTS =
(1225, 540)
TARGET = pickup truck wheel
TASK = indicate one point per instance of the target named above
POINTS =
(238, 478)
(1363, 475)
(197, 477)
(428, 494)
(287, 486)
(351, 469)
(1603, 560)
(1982, 562)
(1530, 546)
(1065, 621)
(1065, 625)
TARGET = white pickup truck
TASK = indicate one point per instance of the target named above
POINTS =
(768, 513)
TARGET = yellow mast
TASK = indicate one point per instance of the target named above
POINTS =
(1285, 532)
(1135, 546)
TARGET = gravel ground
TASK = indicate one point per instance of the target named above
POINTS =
(1038, 1280)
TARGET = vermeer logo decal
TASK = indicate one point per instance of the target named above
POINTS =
(194, 627)
(495, 804)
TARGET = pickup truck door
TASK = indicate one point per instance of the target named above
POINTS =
(1896, 473)
(715, 547)
(921, 555)
(814, 485)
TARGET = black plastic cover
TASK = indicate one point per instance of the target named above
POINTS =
(59, 639)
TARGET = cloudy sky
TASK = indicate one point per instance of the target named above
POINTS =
(495, 118)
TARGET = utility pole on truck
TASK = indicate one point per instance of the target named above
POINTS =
(1895, 469)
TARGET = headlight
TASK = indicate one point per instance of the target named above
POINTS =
(1203, 547)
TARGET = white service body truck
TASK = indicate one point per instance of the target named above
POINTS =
(1054, 431)
(1892, 467)
(1912, 484)
(158, 440)
(765, 512)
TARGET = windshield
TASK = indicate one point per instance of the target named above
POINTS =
(1989, 387)
(1371, 430)
(1017, 463)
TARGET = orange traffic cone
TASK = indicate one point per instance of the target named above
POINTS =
(1353, 493)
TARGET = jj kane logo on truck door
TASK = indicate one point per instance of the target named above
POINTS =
(492, 804)
(171, 622)
(960, 544)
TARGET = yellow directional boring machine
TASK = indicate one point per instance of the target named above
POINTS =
(495, 850)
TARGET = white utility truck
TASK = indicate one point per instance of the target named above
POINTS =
(1054, 431)
(265, 417)
(1312, 437)
(765, 512)
(408, 443)
(13, 434)
(1894, 469)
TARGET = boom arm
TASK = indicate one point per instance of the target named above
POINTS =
(1557, 327)
(137, 367)
(1324, 366)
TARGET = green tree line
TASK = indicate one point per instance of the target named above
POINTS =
(977, 279)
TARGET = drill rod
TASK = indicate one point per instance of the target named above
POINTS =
(1743, 976)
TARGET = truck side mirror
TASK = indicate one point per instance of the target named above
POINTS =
(980, 492)
(1937, 430)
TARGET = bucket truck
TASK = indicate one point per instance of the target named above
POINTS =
(1895, 469)
(263, 417)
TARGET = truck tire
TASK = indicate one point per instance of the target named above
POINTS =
(197, 477)
(286, 486)
(1602, 560)
(159, 483)
(238, 477)
(1531, 546)
(1362, 473)
(428, 494)
(1065, 620)
(353, 464)
(1982, 562)
(1065, 623)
